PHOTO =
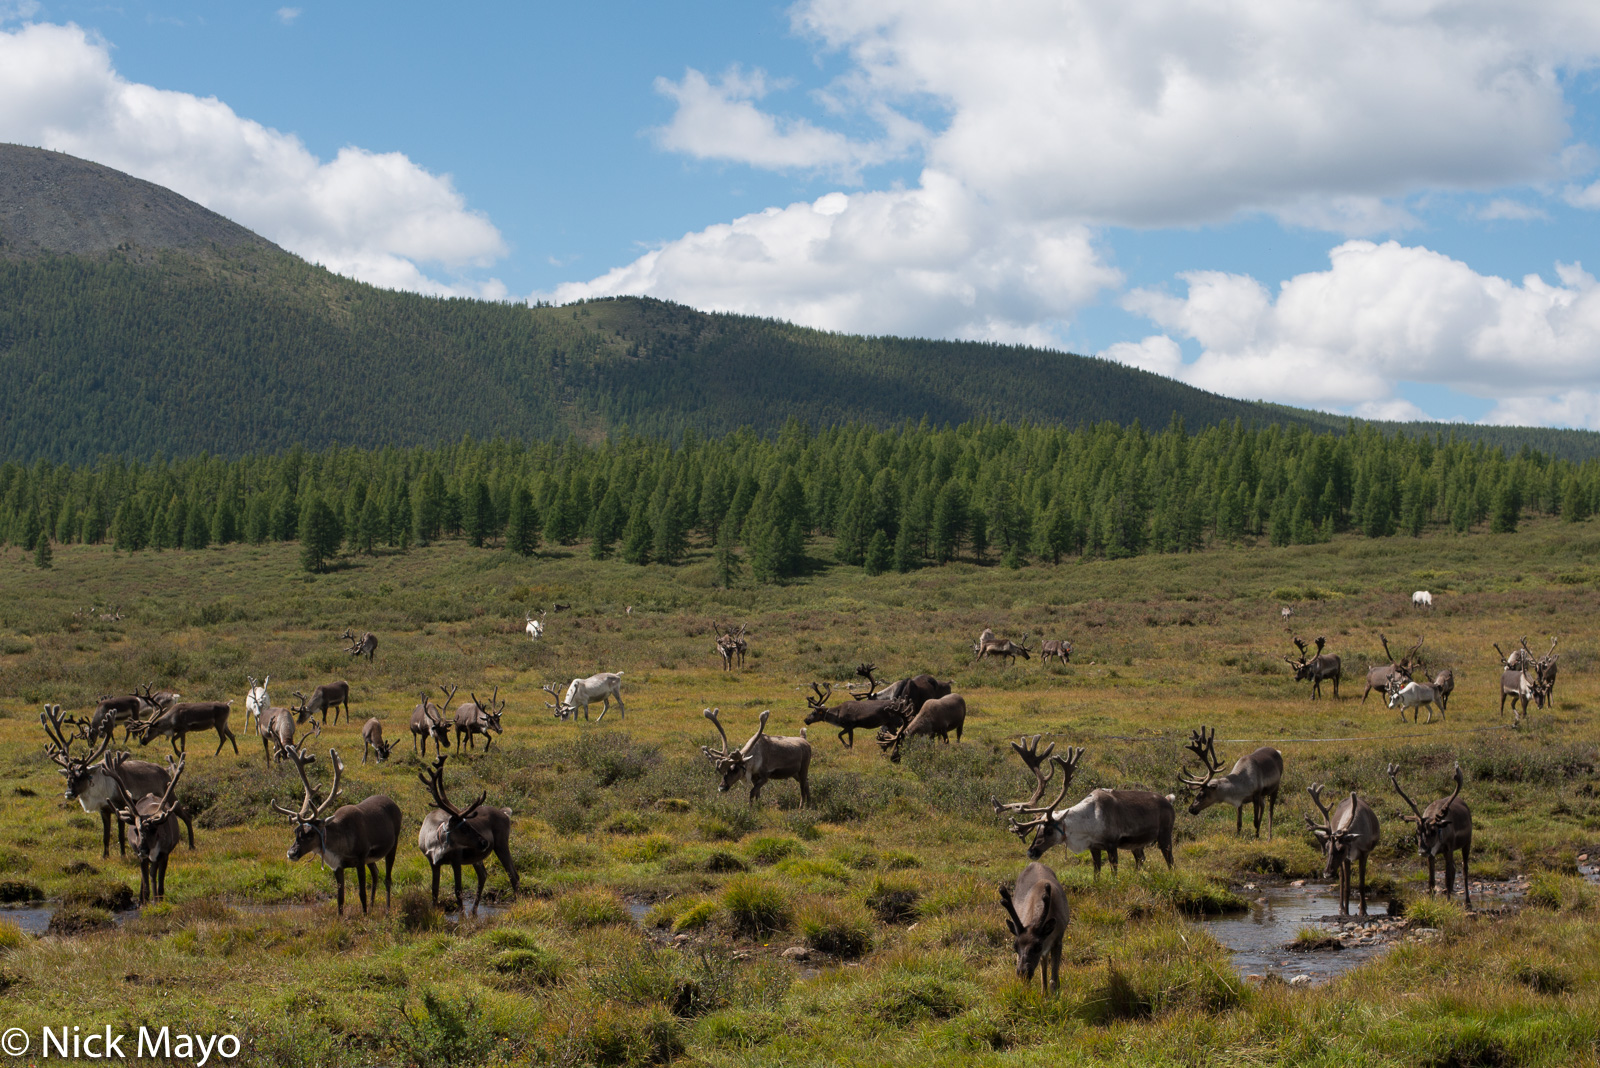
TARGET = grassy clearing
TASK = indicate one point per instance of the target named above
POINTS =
(894, 868)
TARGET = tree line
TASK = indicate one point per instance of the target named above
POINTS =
(901, 498)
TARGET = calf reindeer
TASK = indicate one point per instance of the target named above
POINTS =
(474, 718)
(1254, 779)
(463, 836)
(372, 741)
(1443, 827)
(355, 836)
(152, 831)
(760, 760)
(1055, 648)
(1346, 835)
(91, 783)
(1037, 917)
(427, 721)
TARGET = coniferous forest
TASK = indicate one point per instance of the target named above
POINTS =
(889, 499)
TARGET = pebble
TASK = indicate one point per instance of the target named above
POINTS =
(742, 955)
(680, 938)
(1300, 980)
(1298, 883)
(797, 953)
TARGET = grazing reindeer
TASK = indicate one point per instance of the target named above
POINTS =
(919, 689)
(1379, 677)
(1404, 694)
(355, 836)
(1443, 827)
(112, 712)
(936, 720)
(1316, 668)
(427, 721)
(1444, 685)
(372, 740)
(256, 698)
(1007, 648)
(1055, 648)
(1037, 917)
(474, 718)
(150, 826)
(763, 758)
(1254, 778)
(276, 728)
(93, 786)
(463, 836)
(366, 645)
(158, 701)
(1103, 822)
(605, 685)
(1520, 684)
(330, 695)
(535, 627)
(860, 714)
(1422, 599)
(1346, 836)
(180, 720)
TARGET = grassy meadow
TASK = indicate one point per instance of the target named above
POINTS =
(654, 911)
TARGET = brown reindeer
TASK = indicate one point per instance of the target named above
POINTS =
(1443, 827)
(427, 721)
(463, 836)
(91, 783)
(366, 645)
(998, 647)
(1055, 648)
(330, 695)
(372, 741)
(1037, 917)
(1347, 834)
(1254, 779)
(761, 759)
(1317, 668)
(936, 720)
(355, 836)
(182, 719)
(862, 713)
(1379, 676)
(1103, 822)
(476, 717)
(152, 831)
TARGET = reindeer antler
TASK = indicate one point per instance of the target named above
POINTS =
(1068, 765)
(1394, 771)
(1301, 645)
(711, 714)
(1315, 790)
(823, 692)
(1204, 746)
(1028, 751)
(434, 780)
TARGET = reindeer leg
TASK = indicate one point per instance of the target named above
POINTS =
(105, 836)
(503, 851)
(1363, 863)
(1272, 807)
(1138, 858)
(1095, 853)
(483, 875)
(361, 885)
(1111, 855)
(388, 878)
(848, 737)
(188, 823)
(338, 877)
(461, 901)
(436, 868)
(1238, 823)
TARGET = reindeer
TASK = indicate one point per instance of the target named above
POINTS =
(535, 627)
(1404, 694)
(372, 741)
(1055, 648)
(1520, 684)
(455, 837)
(157, 701)
(731, 645)
(1254, 778)
(355, 836)
(1545, 670)
(255, 699)
(762, 758)
(1422, 599)
(1316, 668)
(1285, 613)
(1037, 924)
(180, 720)
(1346, 836)
(112, 712)
(862, 713)
(1519, 658)
(93, 786)
(330, 695)
(605, 685)
(919, 689)
(1444, 684)
(936, 720)
(150, 827)
(366, 646)
(1103, 822)
(1443, 827)
(1005, 647)
(276, 728)
(427, 721)
(474, 718)
(1379, 677)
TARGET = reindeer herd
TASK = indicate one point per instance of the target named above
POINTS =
(141, 797)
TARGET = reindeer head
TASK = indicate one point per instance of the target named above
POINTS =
(491, 712)
(1435, 831)
(1029, 942)
(459, 830)
(1048, 831)
(145, 816)
(1397, 683)
(310, 829)
(1336, 845)
(59, 747)
(729, 762)
(1207, 791)
(563, 703)
(819, 703)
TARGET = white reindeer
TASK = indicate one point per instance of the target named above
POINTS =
(1404, 694)
(256, 699)
(535, 627)
(1422, 599)
(580, 692)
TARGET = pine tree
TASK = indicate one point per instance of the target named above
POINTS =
(638, 536)
(129, 531)
(670, 530)
(42, 554)
(225, 523)
(368, 526)
(480, 514)
(319, 535)
(729, 566)
(879, 556)
(522, 525)
(607, 523)
(197, 531)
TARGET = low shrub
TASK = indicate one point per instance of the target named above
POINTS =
(757, 907)
(627, 822)
(591, 908)
(98, 892)
(1548, 890)
(416, 912)
(11, 936)
(1543, 977)
(893, 901)
(13, 891)
(620, 1035)
(1435, 912)
(694, 917)
(722, 861)
(651, 847)
(769, 850)
(530, 966)
(79, 919)
(445, 1031)
(837, 931)
(906, 997)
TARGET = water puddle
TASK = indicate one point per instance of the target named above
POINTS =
(639, 910)
(1257, 938)
(35, 920)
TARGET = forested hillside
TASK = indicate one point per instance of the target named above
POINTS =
(901, 498)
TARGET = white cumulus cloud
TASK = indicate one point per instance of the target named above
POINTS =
(374, 216)
(1382, 314)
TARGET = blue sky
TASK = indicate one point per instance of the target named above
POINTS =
(1324, 204)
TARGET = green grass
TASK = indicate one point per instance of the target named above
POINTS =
(893, 869)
